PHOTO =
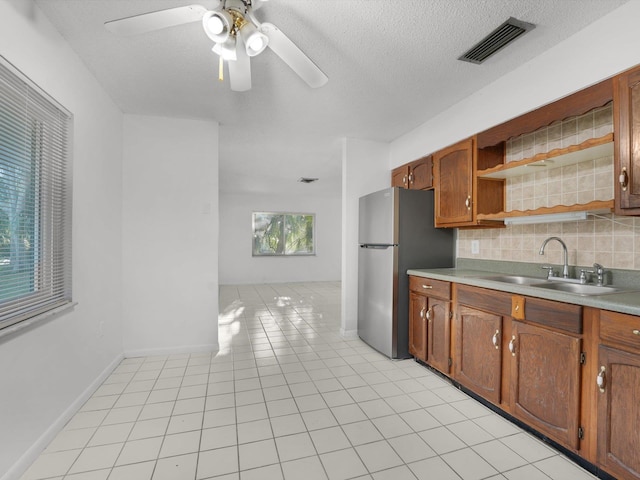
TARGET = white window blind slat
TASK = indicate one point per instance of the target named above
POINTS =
(35, 200)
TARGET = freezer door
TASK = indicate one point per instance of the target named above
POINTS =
(377, 218)
(376, 290)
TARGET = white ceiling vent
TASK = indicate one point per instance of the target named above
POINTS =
(499, 38)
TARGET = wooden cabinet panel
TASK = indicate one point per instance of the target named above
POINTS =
(545, 381)
(477, 357)
(453, 180)
(430, 287)
(627, 142)
(418, 326)
(400, 176)
(421, 173)
(439, 334)
(563, 316)
(484, 299)
(620, 328)
(416, 175)
(619, 413)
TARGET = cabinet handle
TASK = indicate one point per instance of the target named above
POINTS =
(623, 179)
(601, 380)
(422, 312)
(429, 315)
(467, 202)
(411, 178)
(428, 287)
(636, 331)
(404, 180)
(512, 345)
(495, 339)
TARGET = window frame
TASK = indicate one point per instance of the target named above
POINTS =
(49, 126)
(284, 254)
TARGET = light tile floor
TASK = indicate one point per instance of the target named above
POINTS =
(287, 397)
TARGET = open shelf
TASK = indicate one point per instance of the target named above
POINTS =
(597, 206)
(560, 157)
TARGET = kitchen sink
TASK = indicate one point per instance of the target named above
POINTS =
(584, 290)
(580, 289)
(517, 279)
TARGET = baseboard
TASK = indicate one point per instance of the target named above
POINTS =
(151, 352)
(30, 456)
(349, 333)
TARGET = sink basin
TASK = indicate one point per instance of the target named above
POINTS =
(517, 279)
(579, 289)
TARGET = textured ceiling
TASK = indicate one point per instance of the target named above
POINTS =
(392, 65)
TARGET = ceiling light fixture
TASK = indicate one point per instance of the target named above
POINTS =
(238, 36)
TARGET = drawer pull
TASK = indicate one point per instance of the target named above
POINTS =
(636, 332)
(495, 339)
(512, 345)
(601, 379)
(428, 287)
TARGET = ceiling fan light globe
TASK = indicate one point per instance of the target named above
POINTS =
(217, 25)
(226, 50)
(254, 41)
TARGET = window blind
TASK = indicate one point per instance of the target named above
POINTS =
(35, 200)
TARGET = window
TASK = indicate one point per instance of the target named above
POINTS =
(283, 234)
(35, 200)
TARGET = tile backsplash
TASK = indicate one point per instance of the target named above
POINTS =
(610, 240)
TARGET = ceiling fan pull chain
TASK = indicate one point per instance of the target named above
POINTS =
(221, 69)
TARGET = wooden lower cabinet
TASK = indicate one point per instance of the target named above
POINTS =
(439, 334)
(619, 413)
(545, 381)
(418, 326)
(478, 358)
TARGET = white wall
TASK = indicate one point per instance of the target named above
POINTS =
(46, 370)
(238, 266)
(170, 235)
(599, 51)
(365, 169)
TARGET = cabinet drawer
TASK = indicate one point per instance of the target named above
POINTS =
(428, 286)
(620, 328)
(492, 301)
(562, 316)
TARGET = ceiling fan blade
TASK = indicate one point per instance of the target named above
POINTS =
(160, 19)
(240, 70)
(293, 56)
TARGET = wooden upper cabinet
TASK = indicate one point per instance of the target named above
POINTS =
(453, 181)
(421, 173)
(417, 175)
(626, 117)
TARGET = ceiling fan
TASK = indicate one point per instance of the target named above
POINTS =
(237, 36)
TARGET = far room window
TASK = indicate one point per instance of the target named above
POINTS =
(276, 234)
(35, 201)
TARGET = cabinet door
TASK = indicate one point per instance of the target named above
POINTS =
(619, 413)
(478, 357)
(418, 326)
(627, 142)
(545, 381)
(400, 177)
(453, 179)
(439, 334)
(421, 174)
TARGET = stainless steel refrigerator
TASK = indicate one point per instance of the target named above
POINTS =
(395, 233)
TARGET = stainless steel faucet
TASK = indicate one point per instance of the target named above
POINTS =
(565, 254)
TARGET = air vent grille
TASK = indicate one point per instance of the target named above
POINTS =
(496, 40)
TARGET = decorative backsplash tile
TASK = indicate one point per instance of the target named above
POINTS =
(610, 240)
